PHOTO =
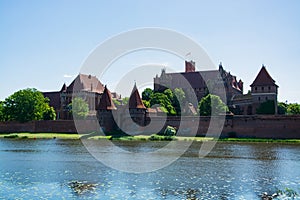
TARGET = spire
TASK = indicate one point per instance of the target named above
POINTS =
(106, 102)
(64, 88)
(135, 100)
(263, 78)
(221, 67)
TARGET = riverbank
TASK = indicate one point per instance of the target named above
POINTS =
(154, 137)
(39, 136)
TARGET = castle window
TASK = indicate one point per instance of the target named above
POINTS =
(266, 98)
(269, 88)
(262, 88)
(255, 88)
(258, 98)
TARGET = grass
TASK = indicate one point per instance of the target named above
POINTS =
(152, 137)
(259, 140)
(40, 135)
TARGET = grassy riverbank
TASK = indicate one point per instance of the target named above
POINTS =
(97, 137)
(39, 136)
(259, 140)
(153, 137)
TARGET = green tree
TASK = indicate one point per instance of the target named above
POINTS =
(116, 102)
(282, 108)
(146, 103)
(162, 100)
(25, 105)
(267, 108)
(293, 109)
(125, 100)
(179, 99)
(169, 94)
(211, 101)
(79, 108)
(146, 94)
(1, 111)
(49, 113)
(180, 95)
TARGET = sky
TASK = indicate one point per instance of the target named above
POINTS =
(43, 44)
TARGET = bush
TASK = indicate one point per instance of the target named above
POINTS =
(156, 137)
(11, 136)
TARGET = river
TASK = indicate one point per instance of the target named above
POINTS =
(46, 169)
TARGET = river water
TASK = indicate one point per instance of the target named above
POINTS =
(44, 169)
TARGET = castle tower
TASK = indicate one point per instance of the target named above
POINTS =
(104, 112)
(137, 108)
(263, 89)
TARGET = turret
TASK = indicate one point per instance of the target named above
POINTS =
(105, 112)
(264, 89)
(136, 107)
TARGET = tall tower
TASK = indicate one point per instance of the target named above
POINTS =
(263, 89)
(104, 112)
(137, 108)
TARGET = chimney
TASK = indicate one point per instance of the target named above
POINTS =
(189, 66)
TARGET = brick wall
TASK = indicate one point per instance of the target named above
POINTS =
(57, 126)
(239, 126)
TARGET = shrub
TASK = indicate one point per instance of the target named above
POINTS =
(11, 136)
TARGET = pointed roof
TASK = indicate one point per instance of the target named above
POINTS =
(64, 88)
(135, 100)
(85, 82)
(106, 102)
(263, 78)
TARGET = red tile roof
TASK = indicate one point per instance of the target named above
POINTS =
(263, 79)
(135, 100)
(197, 79)
(85, 82)
(106, 102)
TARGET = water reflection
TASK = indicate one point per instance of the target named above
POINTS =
(30, 169)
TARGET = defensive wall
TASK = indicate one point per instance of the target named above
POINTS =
(252, 126)
(55, 126)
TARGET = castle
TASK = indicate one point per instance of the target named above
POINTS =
(87, 87)
(100, 99)
(198, 81)
(263, 87)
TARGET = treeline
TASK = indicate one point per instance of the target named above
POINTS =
(26, 105)
(174, 102)
(30, 104)
(268, 108)
(288, 109)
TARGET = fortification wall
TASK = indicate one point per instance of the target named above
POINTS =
(238, 126)
(58, 126)
(264, 127)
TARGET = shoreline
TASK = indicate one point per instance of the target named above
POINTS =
(154, 137)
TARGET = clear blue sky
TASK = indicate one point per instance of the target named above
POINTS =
(42, 42)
